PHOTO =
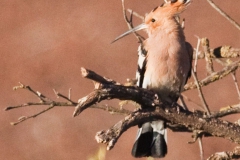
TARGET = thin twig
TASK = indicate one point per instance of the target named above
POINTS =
(236, 83)
(63, 96)
(214, 76)
(69, 93)
(201, 148)
(194, 74)
(201, 96)
(182, 102)
(233, 75)
(208, 59)
(90, 75)
(112, 110)
(24, 118)
(219, 52)
(129, 22)
(228, 110)
(196, 55)
(223, 63)
(135, 14)
(190, 100)
(37, 93)
(224, 14)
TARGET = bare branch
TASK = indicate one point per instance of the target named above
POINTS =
(60, 104)
(235, 154)
(38, 94)
(175, 117)
(69, 93)
(200, 93)
(62, 96)
(213, 126)
(219, 52)
(224, 14)
(24, 118)
(214, 76)
(129, 22)
(182, 102)
(190, 100)
(51, 105)
(196, 55)
(206, 50)
(69, 103)
(236, 84)
(135, 14)
(107, 91)
(226, 52)
(112, 110)
(230, 109)
(97, 78)
(155, 109)
(194, 73)
(201, 148)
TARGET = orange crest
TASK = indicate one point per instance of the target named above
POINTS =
(168, 10)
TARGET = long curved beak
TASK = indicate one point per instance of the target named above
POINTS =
(137, 28)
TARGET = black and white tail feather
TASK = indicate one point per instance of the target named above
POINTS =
(151, 136)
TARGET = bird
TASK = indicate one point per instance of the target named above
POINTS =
(164, 66)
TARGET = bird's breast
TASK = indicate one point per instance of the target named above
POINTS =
(166, 69)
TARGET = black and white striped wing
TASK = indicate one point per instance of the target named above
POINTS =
(141, 65)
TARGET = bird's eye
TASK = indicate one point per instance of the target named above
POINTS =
(174, 1)
(153, 20)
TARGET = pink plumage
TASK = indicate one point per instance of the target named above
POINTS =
(164, 66)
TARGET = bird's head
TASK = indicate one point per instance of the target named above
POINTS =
(168, 10)
(156, 17)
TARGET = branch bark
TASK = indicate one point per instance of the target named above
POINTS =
(177, 119)
(192, 121)
(220, 52)
(214, 76)
(155, 110)
(226, 155)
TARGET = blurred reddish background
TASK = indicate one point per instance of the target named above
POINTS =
(44, 43)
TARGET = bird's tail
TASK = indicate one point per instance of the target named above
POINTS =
(151, 140)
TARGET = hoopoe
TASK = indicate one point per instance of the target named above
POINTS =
(164, 66)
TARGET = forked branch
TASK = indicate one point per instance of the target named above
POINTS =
(106, 88)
